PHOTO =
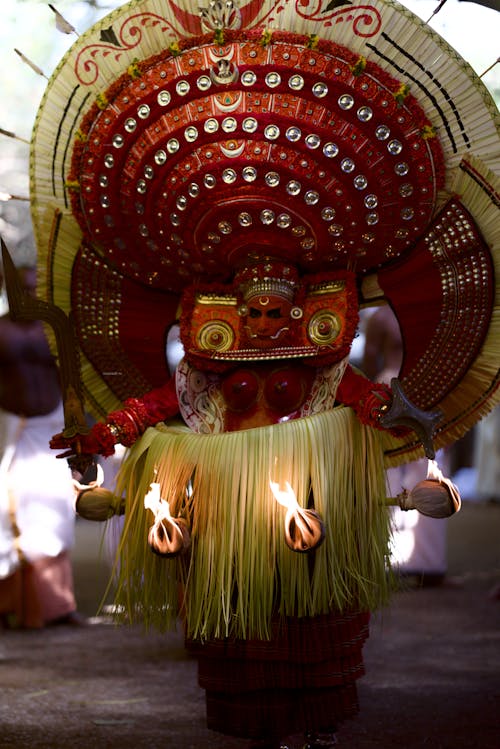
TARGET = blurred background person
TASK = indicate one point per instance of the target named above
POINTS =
(419, 542)
(487, 466)
(487, 457)
(37, 519)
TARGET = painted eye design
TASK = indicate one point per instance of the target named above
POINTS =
(215, 335)
(324, 327)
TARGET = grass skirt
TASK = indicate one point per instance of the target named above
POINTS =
(239, 577)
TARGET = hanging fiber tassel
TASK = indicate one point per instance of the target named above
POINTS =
(6, 196)
(32, 65)
(490, 68)
(62, 24)
(10, 134)
(437, 10)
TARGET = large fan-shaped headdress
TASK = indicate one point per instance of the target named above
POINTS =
(174, 145)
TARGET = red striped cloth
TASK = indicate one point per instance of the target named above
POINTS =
(303, 678)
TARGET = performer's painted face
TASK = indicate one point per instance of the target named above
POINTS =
(268, 322)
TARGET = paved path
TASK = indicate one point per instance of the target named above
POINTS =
(433, 667)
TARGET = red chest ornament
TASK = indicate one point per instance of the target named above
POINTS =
(279, 391)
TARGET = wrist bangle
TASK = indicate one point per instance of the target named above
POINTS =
(125, 426)
(105, 439)
(114, 431)
(139, 413)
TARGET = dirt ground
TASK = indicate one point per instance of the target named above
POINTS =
(432, 661)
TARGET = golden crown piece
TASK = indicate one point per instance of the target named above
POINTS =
(266, 278)
(265, 286)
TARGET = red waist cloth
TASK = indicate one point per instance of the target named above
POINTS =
(303, 679)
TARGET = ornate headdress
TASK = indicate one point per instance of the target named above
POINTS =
(308, 131)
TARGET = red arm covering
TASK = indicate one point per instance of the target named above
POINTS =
(161, 403)
(124, 426)
(140, 413)
(99, 441)
(365, 397)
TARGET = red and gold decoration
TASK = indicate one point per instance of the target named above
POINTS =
(257, 172)
(191, 145)
(219, 325)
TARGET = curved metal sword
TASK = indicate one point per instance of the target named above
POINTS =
(23, 306)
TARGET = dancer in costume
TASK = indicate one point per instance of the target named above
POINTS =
(281, 164)
(419, 543)
(487, 459)
(275, 656)
(36, 498)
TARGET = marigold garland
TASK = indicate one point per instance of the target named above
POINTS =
(402, 92)
(134, 70)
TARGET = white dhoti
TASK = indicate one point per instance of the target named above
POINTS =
(37, 518)
(487, 458)
(419, 543)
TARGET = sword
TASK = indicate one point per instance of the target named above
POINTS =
(23, 306)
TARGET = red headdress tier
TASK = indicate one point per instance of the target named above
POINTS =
(311, 153)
